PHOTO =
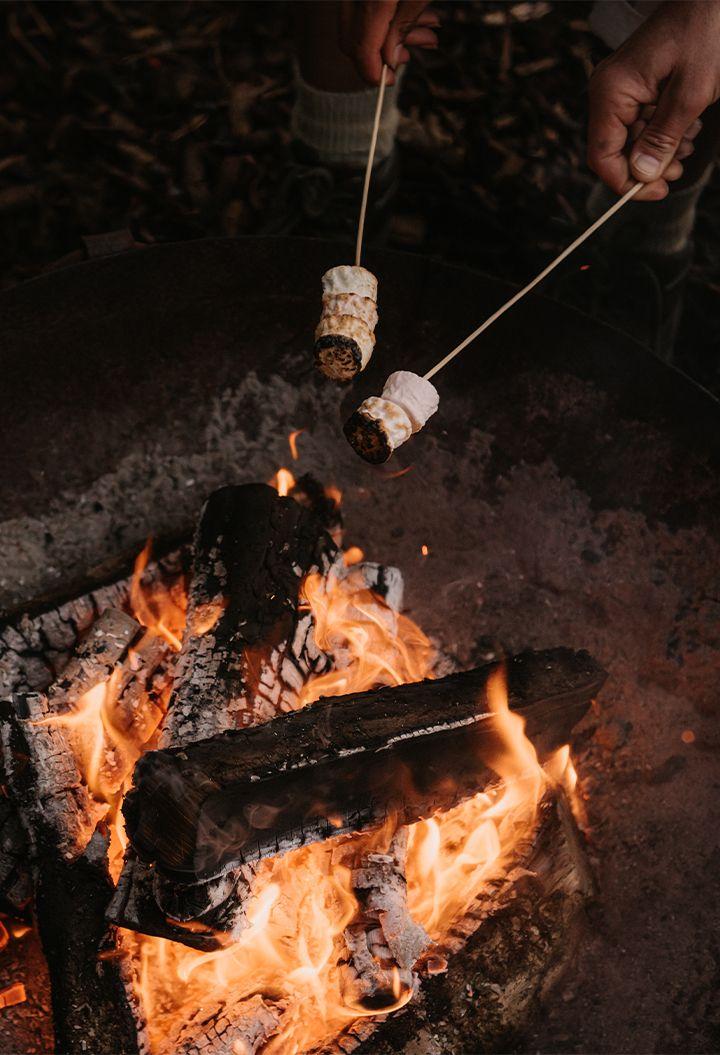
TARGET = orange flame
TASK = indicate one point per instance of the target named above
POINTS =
(292, 443)
(283, 481)
(293, 949)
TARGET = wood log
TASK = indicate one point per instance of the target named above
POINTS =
(247, 652)
(383, 941)
(246, 649)
(230, 1027)
(342, 764)
(481, 986)
(91, 1008)
(41, 756)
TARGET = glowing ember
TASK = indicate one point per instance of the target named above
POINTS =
(12, 995)
(424, 550)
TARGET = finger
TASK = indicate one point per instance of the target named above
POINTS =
(612, 111)
(674, 170)
(420, 37)
(686, 148)
(428, 17)
(655, 191)
(369, 29)
(404, 19)
(636, 130)
(677, 109)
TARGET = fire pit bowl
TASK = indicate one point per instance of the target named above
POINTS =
(567, 491)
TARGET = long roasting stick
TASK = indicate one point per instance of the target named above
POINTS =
(368, 170)
(538, 278)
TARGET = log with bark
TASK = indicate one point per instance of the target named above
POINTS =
(247, 650)
(69, 846)
(344, 763)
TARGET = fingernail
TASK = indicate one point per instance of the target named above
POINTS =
(647, 165)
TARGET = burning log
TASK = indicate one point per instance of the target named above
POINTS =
(482, 983)
(40, 759)
(384, 942)
(68, 848)
(247, 652)
(240, 1027)
(341, 764)
(246, 648)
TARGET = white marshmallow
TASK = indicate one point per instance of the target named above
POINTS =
(362, 308)
(348, 326)
(349, 279)
(417, 397)
(395, 422)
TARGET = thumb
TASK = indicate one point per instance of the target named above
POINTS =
(653, 151)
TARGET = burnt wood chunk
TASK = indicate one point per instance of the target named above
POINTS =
(247, 651)
(383, 941)
(246, 648)
(342, 764)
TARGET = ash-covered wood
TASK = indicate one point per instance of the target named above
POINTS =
(247, 651)
(105, 643)
(246, 648)
(41, 753)
(341, 764)
(479, 988)
(230, 1027)
(15, 878)
(383, 942)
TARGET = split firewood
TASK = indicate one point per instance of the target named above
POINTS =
(246, 649)
(247, 652)
(341, 764)
(240, 1027)
(41, 753)
(383, 942)
(94, 660)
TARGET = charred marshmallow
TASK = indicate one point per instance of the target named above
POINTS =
(380, 425)
(344, 340)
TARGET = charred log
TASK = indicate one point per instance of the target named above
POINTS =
(342, 764)
(246, 648)
(247, 652)
(241, 1026)
(479, 989)
(72, 884)
(383, 942)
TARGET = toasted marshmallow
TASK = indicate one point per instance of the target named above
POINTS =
(362, 308)
(418, 397)
(377, 428)
(343, 346)
(347, 278)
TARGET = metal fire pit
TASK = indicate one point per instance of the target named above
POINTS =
(567, 491)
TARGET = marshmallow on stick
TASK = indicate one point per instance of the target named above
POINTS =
(380, 425)
(345, 337)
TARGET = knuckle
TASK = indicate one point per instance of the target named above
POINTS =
(659, 140)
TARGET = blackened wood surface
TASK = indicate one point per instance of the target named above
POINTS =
(252, 550)
(342, 763)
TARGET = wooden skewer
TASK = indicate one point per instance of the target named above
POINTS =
(368, 170)
(538, 278)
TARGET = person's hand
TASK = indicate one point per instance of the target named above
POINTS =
(650, 93)
(374, 32)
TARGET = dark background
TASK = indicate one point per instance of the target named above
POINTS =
(172, 119)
